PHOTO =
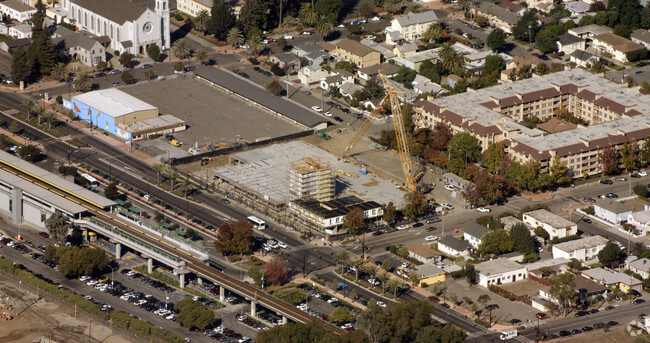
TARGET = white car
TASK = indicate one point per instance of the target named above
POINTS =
(91, 282)
(402, 227)
(140, 302)
(381, 304)
(283, 245)
(642, 173)
(341, 26)
(450, 188)
(484, 210)
(327, 114)
(346, 326)
(126, 297)
(332, 300)
(84, 278)
(447, 205)
(373, 282)
(287, 37)
(302, 307)
(171, 316)
(430, 238)
(317, 109)
(375, 18)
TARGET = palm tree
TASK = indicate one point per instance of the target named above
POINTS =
(307, 15)
(383, 278)
(202, 56)
(433, 32)
(202, 20)
(356, 263)
(465, 4)
(281, 3)
(449, 57)
(181, 49)
(393, 6)
(59, 72)
(323, 25)
(28, 105)
(39, 113)
(255, 44)
(172, 175)
(235, 37)
(370, 270)
(186, 185)
(413, 8)
(50, 117)
(395, 285)
(82, 82)
(342, 257)
(159, 168)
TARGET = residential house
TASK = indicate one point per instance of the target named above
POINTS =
(498, 16)
(577, 8)
(4, 29)
(641, 36)
(414, 61)
(409, 27)
(372, 104)
(429, 274)
(17, 10)
(21, 31)
(388, 69)
(641, 267)
(454, 247)
(312, 74)
(612, 279)
(405, 49)
(422, 85)
(568, 43)
(556, 226)
(612, 211)
(78, 46)
(615, 45)
(583, 58)
(513, 256)
(589, 32)
(510, 221)
(520, 61)
(473, 233)
(16, 43)
(355, 53)
(336, 79)
(451, 80)
(423, 253)
(476, 61)
(583, 249)
(384, 49)
(286, 61)
(500, 271)
(348, 89)
(514, 8)
(641, 220)
(313, 52)
(543, 266)
(585, 287)
(193, 7)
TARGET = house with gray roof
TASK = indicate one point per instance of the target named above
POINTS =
(577, 8)
(20, 31)
(286, 61)
(641, 267)
(500, 271)
(16, 43)
(473, 234)
(641, 36)
(590, 31)
(313, 52)
(568, 43)
(368, 73)
(612, 211)
(17, 10)
(581, 58)
(78, 46)
(454, 247)
(422, 85)
(498, 16)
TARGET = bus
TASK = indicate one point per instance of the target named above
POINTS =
(257, 223)
(91, 180)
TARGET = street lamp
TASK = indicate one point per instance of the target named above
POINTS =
(166, 299)
(112, 279)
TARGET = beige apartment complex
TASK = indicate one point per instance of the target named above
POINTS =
(193, 7)
(615, 114)
(355, 53)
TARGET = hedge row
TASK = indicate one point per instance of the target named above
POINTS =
(121, 319)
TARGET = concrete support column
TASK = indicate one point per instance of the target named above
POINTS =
(150, 265)
(284, 320)
(17, 206)
(222, 293)
(253, 310)
(118, 251)
(181, 281)
(84, 234)
(199, 280)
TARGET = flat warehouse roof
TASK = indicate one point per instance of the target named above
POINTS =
(113, 102)
(278, 104)
(57, 180)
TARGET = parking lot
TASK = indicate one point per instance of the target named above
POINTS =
(211, 115)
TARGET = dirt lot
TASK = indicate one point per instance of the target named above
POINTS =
(34, 318)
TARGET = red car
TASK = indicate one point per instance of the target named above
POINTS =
(540, 315)
(434, 298)
(534, 54)
(271, 40)
(43, 234)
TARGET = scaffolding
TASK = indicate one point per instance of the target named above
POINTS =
(311, 177)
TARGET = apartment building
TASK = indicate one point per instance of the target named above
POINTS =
(193, 7)
(615, 45)
(583, 249)
(356, 53)
(311, 177)
(616, 115)
(556, 226)
(409, 27)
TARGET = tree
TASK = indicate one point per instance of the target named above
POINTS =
(235, 237)
(546, 41)
(465, 146)
(186, 186)
(221, 20)
(405, 76)
(149, 74)
(253, 15)
(609, 159)
(449, 57)
(390, 212)
(356, 265)
(496, 242)
(276, 270)
(191, 234)
(611, 255)
(433, 32)
(522, 240)
(521, 30)
(493, 157)
(82, 261)
(293, 296)
(440, 137)
(313, 331)
(181, 49)
(354, 221)
(50, 118)
(127, 77)
(60, 72)
(496, 40)
(307, 15)
(394, 285)
(126, 58)
(20, 69)
(370, 270)
(559, 173)
(494, 63)
(483, 299)
(82, 82)
(541, 233)
(193, 314)
(235, 37)
(644, 154)
(329, 8)
(630, 156)
(274, 87)
(28, 106)
(202, 56)
(202, 21)
(57, 224)
(342, 258)
(393, 6)
(255, 44)
(323, 25)
(469, 272)
(382, 277)
(366, 9)
(111, 191)
(159, 168)
(640, 190)
(341, 315)
(30, 153)
(415, 205)
(15, 128)
(153, 51)
(563, 289)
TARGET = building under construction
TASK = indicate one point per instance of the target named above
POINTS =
(311, 177)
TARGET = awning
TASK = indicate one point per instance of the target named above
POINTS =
(127, 44)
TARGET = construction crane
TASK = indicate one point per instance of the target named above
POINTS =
(400, 132)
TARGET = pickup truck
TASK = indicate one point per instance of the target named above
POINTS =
(174, 142)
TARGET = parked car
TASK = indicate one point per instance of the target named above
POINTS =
(449, 188)
(606, 182)
(620, 178)
(638, 301)
(433, 220)
(642, 173)
(430, 238)
(586, 220)
(483, 210)
(317, 109)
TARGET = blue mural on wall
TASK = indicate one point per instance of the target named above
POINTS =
(98, 119)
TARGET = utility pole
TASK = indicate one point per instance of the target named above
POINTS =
(530, 37)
